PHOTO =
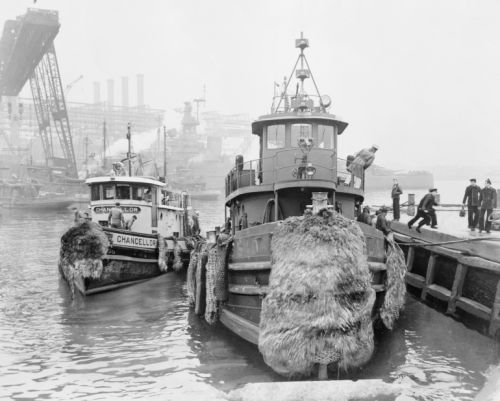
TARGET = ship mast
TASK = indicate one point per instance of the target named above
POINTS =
(301, 100)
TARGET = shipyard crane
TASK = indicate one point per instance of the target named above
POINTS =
(27, 53)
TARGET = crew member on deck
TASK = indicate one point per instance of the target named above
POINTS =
(364, 159)
(130, 222)
(426, 211)
(365, 217)
(382, 223)
(115, 218)
(488, 201)
(395, 192)
(471, 196)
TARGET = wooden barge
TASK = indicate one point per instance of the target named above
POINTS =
(459, 277)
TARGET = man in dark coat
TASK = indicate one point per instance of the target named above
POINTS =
(488, 201)
(365, 216)
(395, 192)
(382, 223)
(426, 211)
(471, 196)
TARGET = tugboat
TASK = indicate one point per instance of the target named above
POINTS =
(298, 174)
(150, 237)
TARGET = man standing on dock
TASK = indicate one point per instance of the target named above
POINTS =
(488, 201)
(396, 191)
(471, 196)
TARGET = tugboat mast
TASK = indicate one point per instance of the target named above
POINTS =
(129, 154)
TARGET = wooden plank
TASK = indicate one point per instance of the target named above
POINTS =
(415, 280)
(248, 289)
(129, 259)
(376, 266)
(429, 276)
(378, 287)
(240, 326)
(263, 265)
(410, 258)
(474, 308)
(480, 263)
(458, 285)
(439, 292)
(495, 314)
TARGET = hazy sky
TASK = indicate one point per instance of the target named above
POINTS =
(419, 78)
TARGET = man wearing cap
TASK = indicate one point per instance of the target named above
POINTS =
(395, 192)
(364, 159)
(426, 211)
(382, 223)
(471, 196)
(115, 217)
(488, 201)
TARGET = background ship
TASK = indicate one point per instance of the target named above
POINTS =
(380, 178)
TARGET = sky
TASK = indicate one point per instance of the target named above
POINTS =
(421, 79)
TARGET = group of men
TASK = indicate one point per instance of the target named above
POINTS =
(480, 202)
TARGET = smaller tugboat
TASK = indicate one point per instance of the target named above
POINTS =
(135, 230)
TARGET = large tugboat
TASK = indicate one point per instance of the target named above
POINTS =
(303, 280)
(151, 236)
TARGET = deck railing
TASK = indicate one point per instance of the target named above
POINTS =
(251, 173)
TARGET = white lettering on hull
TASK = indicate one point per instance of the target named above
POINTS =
(131, 241)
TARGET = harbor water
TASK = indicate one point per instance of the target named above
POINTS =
(144, 342)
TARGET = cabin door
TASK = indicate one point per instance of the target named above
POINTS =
(154, 209)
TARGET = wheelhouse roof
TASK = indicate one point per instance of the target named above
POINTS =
(298, 117)
(125, 180)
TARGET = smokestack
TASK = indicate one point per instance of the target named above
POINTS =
(125, 91)
(97, 92)
(140, 90)
(111, 92)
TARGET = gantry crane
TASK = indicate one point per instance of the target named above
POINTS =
(27, 53)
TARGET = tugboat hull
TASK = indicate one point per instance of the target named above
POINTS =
(249, 268)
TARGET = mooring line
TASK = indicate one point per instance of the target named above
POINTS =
(447, 242)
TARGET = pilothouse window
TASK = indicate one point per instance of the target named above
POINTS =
(94, 195)
(109, 191)
(300, 131)
(140, 192)
(122, 192)
(325, 137)
(276, 136)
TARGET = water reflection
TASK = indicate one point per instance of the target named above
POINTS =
(143, 341)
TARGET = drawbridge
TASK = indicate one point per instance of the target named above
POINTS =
(27, 53)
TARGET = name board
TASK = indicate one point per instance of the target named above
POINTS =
(124, 209)
(131, 241)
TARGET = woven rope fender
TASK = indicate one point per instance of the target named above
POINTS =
(162, 254)
(82, 248)
(177, 264)
(224, 242)
(191, 277)
(319, 301)
(211, 308)
(395, 285)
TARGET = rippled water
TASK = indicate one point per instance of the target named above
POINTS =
(144, 342)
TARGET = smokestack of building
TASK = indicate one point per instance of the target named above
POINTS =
(140, 90)
(111, 92)
(97, 92)
(125, 91)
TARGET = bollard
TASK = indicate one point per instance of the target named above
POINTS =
(411, 205)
